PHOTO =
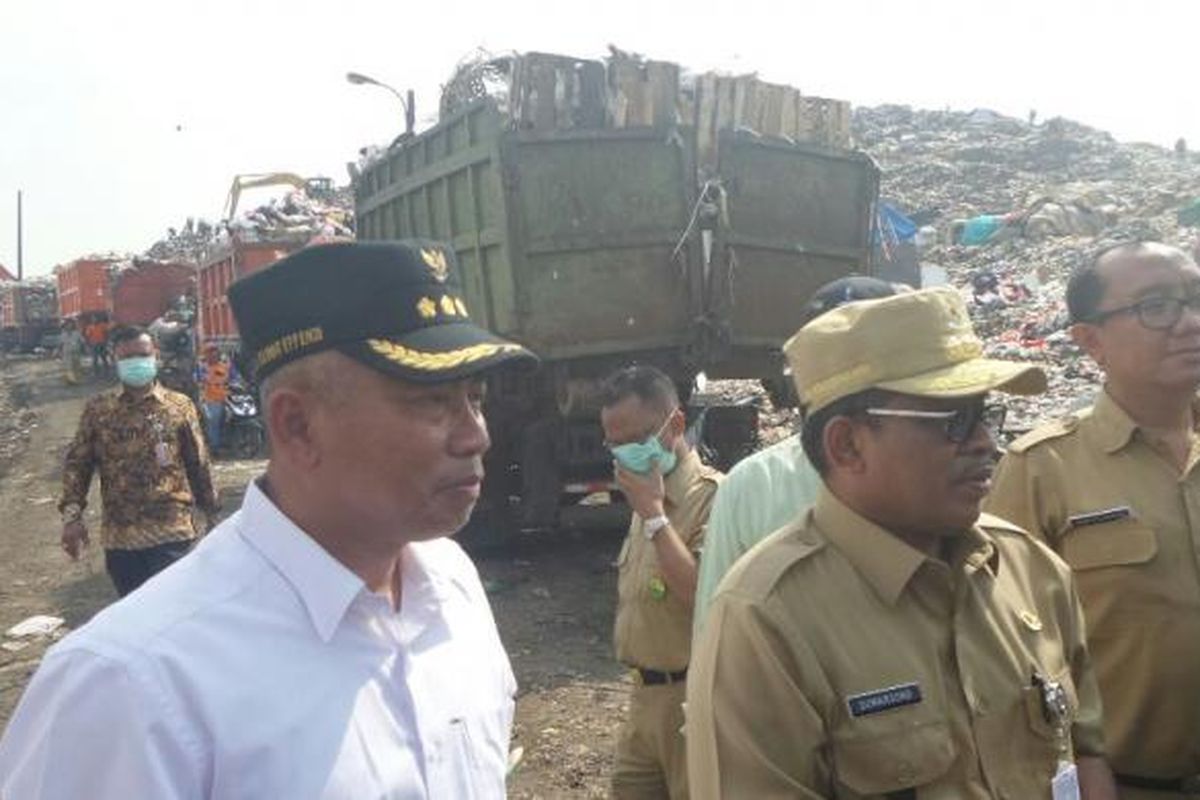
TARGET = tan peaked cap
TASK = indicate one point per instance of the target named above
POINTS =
(919, 343)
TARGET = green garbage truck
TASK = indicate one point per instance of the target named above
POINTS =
(607, 213)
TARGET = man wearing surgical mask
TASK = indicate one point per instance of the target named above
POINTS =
(670, 493)
(146, 444)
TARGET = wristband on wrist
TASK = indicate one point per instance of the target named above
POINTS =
(653, 525)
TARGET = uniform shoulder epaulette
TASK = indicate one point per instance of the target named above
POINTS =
(992, 522)
(789, 545)
(1044, 433)
(711, 474)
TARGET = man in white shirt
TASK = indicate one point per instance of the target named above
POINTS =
(328, 640)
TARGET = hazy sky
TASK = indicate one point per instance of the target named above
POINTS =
(122, 118)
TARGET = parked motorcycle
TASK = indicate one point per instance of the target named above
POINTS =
(242, 433)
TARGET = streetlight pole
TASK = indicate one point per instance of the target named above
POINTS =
(358, 79)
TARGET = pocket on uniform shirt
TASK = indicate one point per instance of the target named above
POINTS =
(1124, 542)
(904, 757)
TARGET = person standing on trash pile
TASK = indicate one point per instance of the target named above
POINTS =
(768, 489)
(329, 640)
(145, 442)
(1115, 489)
(670, 492)
(212, 376)
(893, 642)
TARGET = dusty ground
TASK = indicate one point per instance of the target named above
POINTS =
(552, 594)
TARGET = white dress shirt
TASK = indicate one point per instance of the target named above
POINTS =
(260, 667)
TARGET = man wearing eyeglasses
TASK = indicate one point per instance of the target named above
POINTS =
(670, 493)
(1116, 492)
(893, 642)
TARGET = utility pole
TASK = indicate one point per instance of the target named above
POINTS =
(20, 258)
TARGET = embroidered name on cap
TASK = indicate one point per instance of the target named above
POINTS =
(867, 703)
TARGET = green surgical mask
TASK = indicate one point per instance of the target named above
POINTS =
(640, 457)
(137, 371)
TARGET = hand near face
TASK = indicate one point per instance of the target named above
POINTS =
(645, 493)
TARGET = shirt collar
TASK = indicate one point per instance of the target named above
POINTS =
(323, 584)
(1114, 427)
(884, 560)
(155, 393)
(675, 485)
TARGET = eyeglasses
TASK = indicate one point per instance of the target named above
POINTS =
(1154, 313)
(958, 425)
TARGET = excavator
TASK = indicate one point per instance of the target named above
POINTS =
(314, 187)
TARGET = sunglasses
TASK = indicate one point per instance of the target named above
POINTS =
(957, 425)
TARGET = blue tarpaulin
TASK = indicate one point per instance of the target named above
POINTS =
(902, 228)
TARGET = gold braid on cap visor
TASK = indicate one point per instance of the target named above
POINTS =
(436, 362)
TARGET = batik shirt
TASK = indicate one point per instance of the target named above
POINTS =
(153, 467)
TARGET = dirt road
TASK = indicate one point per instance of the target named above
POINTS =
(553, 594)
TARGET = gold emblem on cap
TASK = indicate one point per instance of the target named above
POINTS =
(448, 306)
(426, 308)
(461, 306)
(1031, 620)
(436, 261)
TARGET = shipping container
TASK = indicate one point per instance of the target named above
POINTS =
(236, 259)
(84, 287)
(144, 291)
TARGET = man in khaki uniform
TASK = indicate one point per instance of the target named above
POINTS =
(1116, 491)
(893, 643)
(670, 493)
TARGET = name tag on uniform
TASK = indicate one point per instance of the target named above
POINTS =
(1065, 785)
(1097, 517)
(867, 703)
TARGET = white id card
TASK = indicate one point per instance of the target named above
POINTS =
(1065, 785)
(162, 452)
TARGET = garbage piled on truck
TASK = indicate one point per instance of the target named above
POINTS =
(297, 213)
(547, 91)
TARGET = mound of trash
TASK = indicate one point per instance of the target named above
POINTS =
(1007, 208)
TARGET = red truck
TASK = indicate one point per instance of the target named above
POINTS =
(236, 259)
(125, 292)
(143, 291)
(84, 288)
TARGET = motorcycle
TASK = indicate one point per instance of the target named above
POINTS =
(243, 432)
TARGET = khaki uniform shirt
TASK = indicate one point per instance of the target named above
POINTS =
(654, 627)
(839, 662)
(1136, 567)
(153, 467)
